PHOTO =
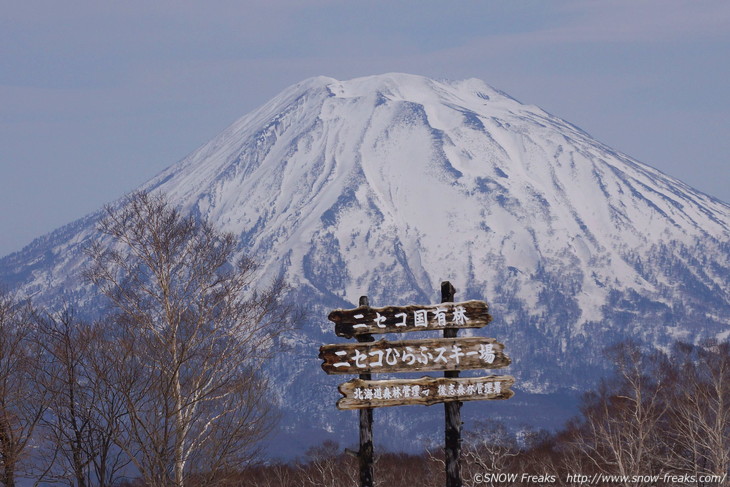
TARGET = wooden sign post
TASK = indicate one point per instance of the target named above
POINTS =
(450, 354)
(452, 410)
(365, 454)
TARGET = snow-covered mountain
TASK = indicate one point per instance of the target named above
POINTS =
(386, 185)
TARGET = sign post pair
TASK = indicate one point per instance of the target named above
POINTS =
(449, 354)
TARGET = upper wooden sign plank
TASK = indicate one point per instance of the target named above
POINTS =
(397, 319)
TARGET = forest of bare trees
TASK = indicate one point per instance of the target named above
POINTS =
(168, 386)
(166, 389)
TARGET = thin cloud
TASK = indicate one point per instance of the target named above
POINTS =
(632, 21)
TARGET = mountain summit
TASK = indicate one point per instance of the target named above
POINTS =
(386, 185)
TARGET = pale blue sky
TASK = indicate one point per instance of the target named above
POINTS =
(97, 97)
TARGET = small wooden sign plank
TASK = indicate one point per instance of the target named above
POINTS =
(361, 394)
(397, 319)
(413, 355)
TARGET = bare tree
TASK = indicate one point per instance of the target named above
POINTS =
(68, 419)
(22, 401)
(490, 447)
(327, 466)
(192, 331)
(698, 436)
(83, 418)
(108, 459)
(622, 421)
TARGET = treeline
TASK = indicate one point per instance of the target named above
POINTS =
(166, 386)
(663, 418)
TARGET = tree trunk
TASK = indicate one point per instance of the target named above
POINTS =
(7, 453)
(180, 434)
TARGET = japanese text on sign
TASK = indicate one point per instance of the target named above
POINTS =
(411, 355)
(443, 390)
(420, 318)
(425, 391)
(398, 319)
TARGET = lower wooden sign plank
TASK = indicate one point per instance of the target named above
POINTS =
(413, 355)
(361, 394)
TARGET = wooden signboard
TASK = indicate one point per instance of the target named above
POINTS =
(425, 391)
(449, 354)
(397, 319)
(413, 355)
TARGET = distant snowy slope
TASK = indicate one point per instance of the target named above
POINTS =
(387, 185)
